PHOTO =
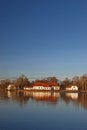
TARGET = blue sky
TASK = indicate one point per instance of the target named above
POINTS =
(41, 38)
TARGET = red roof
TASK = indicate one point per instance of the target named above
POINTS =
(44, 83)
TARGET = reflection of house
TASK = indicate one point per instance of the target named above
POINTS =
(46, 96)
(74, 88)
(11, 87)
(9, 94)
(72, 95)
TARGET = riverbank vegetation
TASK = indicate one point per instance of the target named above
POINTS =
(22, 81)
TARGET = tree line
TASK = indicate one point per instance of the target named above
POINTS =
(23, 81)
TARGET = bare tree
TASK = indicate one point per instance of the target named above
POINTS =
(83, 81)
(22, 81)
(52, 80)
(5, 83)
(66, 82)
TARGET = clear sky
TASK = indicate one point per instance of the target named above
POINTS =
(41, 38)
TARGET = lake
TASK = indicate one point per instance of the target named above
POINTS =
(43, 111)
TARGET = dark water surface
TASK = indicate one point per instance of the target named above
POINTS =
(43, 111)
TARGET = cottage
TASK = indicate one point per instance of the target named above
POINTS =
(11, 87)
(73, 88)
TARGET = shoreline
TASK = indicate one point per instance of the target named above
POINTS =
(60, 91)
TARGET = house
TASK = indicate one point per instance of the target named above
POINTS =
(48, 88)
(11, 87)
(38, 87)
(28, 88)
(72, 88)
(55, 88)
(45, 85)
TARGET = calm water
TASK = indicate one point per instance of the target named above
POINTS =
(43, 111)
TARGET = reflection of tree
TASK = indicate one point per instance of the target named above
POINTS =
(22, 97)
(14, 96)
(65, 98)
(83, 100)
(77, 99)
(4, 96)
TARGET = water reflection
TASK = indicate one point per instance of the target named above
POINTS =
(72, 95)
(22, 98)
(78, 99)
